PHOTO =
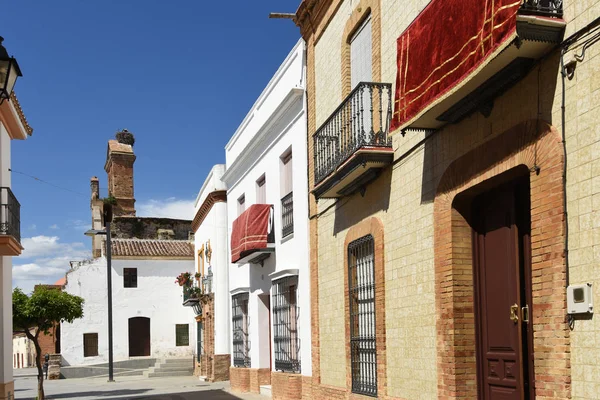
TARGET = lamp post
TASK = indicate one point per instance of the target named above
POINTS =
(9, 72)
(94, 232)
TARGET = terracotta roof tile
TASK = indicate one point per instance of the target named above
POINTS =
(152, 248)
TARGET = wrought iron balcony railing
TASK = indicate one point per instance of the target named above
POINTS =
(287, 214)
(361, 121)
(10, 214)
(547, 8)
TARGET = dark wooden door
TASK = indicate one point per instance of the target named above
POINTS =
(501, 292)
(139, 336)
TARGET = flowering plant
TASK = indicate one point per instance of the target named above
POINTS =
(184, 279)
(197, 275)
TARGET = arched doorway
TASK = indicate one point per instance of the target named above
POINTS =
(139, 336)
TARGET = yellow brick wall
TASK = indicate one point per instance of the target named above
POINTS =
(583, 196)
(403, 198)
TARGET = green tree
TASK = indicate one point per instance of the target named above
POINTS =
(38, 313)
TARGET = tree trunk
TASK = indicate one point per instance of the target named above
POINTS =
(38, 364)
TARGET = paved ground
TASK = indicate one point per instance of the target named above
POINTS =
(134, 387)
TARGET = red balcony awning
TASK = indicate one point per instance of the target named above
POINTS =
(448, 41)
(250, 231)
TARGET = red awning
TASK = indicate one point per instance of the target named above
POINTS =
(443, 45)
(250, 231)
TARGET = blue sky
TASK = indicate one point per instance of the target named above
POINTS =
(180, 75)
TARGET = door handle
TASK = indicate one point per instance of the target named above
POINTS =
(525, 313)
(514, 310)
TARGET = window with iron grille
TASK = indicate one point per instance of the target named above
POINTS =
(182, 335)
(285, 325)
(90, 344)
(130, 277)
(361, 285)
(241, 340)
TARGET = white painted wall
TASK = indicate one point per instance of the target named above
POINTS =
(214, 229)
(157, 297)
(5, 273)
(276, 123)
(24, 350)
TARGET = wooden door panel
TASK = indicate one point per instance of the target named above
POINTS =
(497, 276)
(139, 336)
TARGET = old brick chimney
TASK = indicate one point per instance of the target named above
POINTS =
(119, 167)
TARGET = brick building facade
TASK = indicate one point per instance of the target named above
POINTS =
(425, 217)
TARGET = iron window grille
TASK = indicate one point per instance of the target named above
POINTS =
(182, 335)
(285, 325)
(200, 338)
(361, 284)
(547, 8)
(130, 277)
(241, 339)
(90, 344)
(287, 214)
(10, 214)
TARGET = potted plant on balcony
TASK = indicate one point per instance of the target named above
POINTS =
(197, 275)
(184, 279)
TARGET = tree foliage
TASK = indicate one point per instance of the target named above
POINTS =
(39, 312)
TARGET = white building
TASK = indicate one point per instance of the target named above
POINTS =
(212, 261)
(23, 351)
(147, 256)
(269, 275)
(13, 126)
(148, 320)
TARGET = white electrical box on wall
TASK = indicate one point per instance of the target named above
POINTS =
(579, 299)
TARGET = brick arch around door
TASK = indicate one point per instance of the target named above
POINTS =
(139, 336)
(530, 144)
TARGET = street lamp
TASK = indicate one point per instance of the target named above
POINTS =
(9, 72)
(94, 232)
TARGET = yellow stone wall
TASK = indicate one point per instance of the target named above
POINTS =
(403, 199)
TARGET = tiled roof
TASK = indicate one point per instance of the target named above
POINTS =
(152, 248)
(15, 101)
(61, 282)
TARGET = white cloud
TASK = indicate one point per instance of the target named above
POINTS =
(79, 225)
(55, 226)
(45, 260)
(168, 208)
(32, 227)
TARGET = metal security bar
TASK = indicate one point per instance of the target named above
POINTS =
(241, 340)
(361, 284)
(547, 8)
(10, 214)
(362, 120)
(200, 340)
(287, 214)
(285, 325)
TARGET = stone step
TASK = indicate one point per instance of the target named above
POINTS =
(265, 390)
(173, 369)
(177, 361)
(159, 374)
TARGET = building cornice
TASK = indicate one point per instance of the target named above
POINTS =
(265, 138)
(15, 101)
(218, 196)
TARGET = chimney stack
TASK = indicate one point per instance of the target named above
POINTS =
(119, 167)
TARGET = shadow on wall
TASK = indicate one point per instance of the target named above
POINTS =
(351, 210)
(531, 99)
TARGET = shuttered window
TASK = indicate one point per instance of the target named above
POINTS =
(182, 335)
(261, 190)
(90, 344)
(130, 277)
(361, 55)
(361, 284)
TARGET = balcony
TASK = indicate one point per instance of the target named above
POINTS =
(10, 223)
(352, 146)
(287, 215)
(469, 73)
(252, 235)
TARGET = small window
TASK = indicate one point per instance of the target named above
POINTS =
(130, 277)
(261, 190)
(182, 335)
(286, 173)
(90, 344)
(241, 204)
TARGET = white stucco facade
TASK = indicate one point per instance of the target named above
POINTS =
(156, 297)
(212, 234)
(12, 126)
(273, 131)
(23, 352)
